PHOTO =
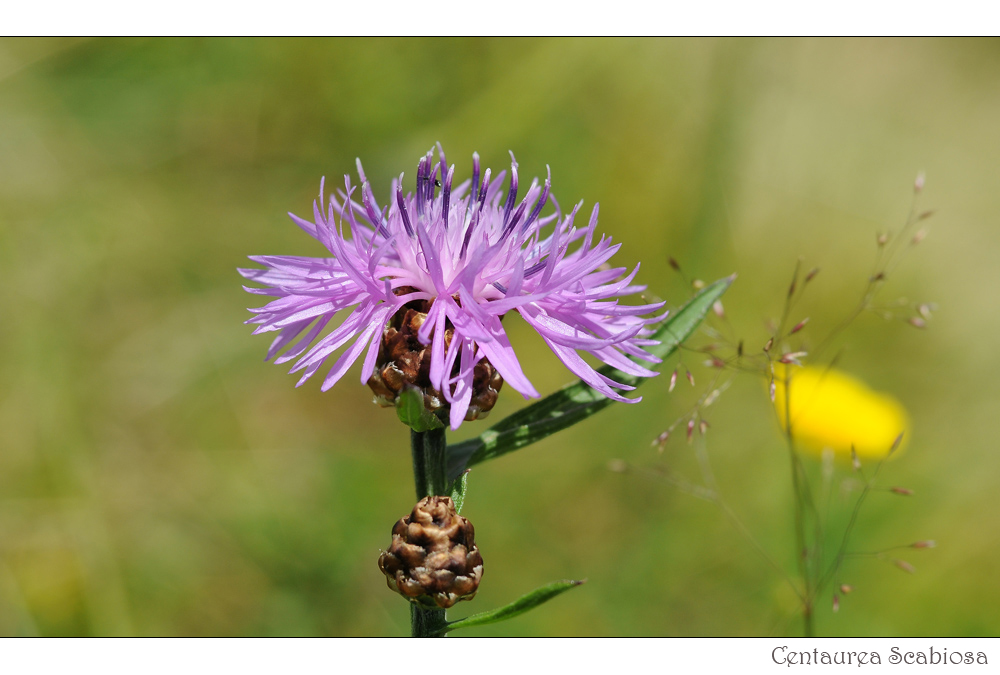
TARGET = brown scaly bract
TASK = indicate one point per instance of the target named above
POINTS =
(403, 361)
(433, 559)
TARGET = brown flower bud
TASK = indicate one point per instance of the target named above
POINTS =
(404, 361)
(433, 559)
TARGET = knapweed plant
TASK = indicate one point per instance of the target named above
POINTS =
(425, 282)
(823, 414)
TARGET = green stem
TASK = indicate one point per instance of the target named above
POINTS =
(427, 622)
(799, 486)
(430, 462)
(419, 463)
(802, 552)
(430, 476)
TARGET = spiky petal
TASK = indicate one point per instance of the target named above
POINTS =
(469, 256)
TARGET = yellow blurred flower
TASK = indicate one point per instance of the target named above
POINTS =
(831, 409)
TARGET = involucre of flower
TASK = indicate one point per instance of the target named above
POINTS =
(446, 264)
(831, 409)
(433, 559)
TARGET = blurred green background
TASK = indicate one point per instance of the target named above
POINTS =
(156, 478)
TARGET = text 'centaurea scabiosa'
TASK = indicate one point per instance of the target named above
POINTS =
(428, 279)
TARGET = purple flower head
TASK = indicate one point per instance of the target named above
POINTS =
(447, 263)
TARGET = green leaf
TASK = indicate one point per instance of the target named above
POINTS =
(516, 608)
(457, 490)
(411, 411)
(578, 401)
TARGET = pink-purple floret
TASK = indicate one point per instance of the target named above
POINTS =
(477, 259)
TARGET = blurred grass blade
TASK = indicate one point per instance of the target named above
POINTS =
(516, 608)
(411, 411)
(578, 401)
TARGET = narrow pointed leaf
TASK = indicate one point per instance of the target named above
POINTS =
(457, 491)
(516, 608)
(411, 411)
(578, 401)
